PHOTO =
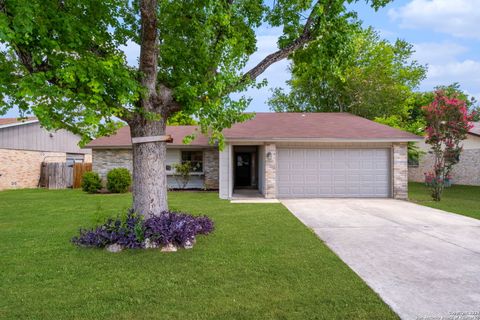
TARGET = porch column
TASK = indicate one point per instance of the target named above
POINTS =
(270, 170)
(224, 177)
(211, 168)
(400, 171)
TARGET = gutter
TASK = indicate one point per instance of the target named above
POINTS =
(129, 146)
(18, 124)
(324, 140)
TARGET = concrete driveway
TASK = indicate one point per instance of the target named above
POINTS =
(422, 262)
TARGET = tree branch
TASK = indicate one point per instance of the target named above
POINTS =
(149, 53)
(304, 38)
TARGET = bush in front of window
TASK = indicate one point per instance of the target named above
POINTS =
(182, 173)
(91, 182)
(119, 180)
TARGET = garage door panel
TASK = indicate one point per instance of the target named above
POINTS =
(325, 165)
(333, 172)
(283, 190)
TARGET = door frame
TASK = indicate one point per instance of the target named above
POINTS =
(254, 167)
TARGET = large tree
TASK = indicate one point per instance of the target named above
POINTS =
(350, 70)
(62, 61)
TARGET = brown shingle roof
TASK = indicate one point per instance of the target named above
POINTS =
(335, 125)
(476, 129)
(122, 137)
(282, 126)
(5, 121)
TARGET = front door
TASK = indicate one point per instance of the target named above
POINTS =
(243, 169)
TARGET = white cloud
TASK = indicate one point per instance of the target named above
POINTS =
(459, 18)
(446, 66)
(465, 72)
(434, 52)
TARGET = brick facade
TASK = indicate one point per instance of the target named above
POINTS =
(466, 172)
(270, 171)
(400, 171)
(105, 160)
(211, 168)
(21, 168)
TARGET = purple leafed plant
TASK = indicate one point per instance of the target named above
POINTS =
(178, 229)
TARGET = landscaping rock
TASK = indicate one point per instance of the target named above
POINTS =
(148, 244)
(169, 248)
(189, 244)
(114, 248)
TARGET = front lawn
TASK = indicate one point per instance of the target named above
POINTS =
(260, 263)
(463, 200)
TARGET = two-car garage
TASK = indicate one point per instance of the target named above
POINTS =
(333, 172)
(315, 155)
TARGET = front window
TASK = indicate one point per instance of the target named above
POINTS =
(413, 162)
(195, 158)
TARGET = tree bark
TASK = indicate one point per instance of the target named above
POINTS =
(149, 175)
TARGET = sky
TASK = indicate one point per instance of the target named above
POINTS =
(445, 35)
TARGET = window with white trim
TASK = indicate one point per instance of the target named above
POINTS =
(195, 158)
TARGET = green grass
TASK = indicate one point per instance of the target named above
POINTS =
(260, 263)
(463, 200)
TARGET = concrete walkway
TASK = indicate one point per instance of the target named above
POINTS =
(422, 262)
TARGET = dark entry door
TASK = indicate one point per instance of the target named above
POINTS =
(243, 167)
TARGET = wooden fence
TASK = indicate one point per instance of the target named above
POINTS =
(78, 170)
(60, 175)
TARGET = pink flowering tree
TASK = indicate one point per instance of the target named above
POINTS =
(448, 122)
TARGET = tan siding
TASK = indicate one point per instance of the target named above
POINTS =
(33, 137)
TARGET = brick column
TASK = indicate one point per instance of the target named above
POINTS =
(270, 171)
(210, 167)
(400, 171)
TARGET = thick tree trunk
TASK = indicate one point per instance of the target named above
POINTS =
(149, 176)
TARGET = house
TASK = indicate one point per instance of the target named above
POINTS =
(466, 172)
(284, 155)
(24, 145)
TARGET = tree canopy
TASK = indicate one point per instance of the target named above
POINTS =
(61, 60)
(351, 70)
(412, 117)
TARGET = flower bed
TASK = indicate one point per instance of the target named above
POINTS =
(168, 231)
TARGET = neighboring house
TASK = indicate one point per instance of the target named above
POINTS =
(466, 172)
(24, 145)
(285, 155)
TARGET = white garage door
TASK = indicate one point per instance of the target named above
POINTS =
(304, 173)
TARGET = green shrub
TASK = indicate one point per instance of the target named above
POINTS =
(182, 173)
(118, 180)
(91, 182)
